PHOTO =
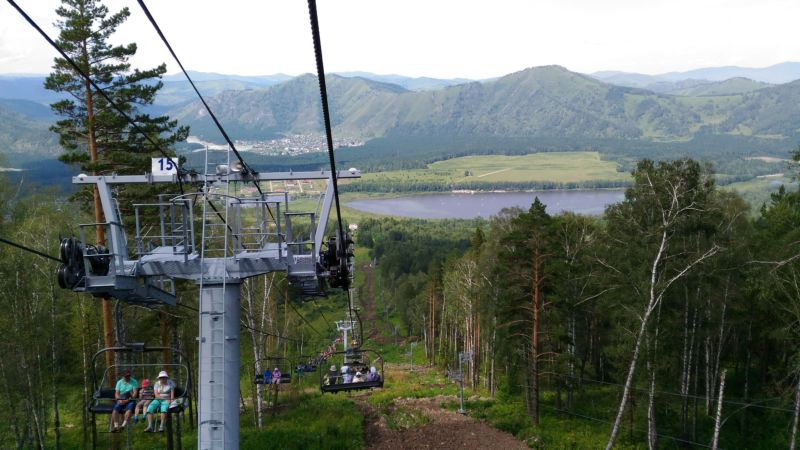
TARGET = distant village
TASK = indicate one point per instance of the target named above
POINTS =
(289, 145)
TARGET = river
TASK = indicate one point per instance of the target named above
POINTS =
(468, 206)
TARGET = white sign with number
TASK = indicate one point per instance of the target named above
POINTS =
(165, 166)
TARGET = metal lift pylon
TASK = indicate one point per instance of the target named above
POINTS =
(252, 246)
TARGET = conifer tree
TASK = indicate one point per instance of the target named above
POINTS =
(93, 133)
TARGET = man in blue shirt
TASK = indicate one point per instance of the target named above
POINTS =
(125, 393)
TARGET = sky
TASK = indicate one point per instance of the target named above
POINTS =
(473, 39)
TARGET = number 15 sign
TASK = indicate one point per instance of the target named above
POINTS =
(164, 166)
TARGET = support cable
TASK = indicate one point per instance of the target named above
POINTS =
(99, 89)
(245, 168)
(28, 249)
(304, 319)
(323, 91)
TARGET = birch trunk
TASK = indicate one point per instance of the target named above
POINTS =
(54, 369)
(718, 418)
(793, 442)
(652, 431)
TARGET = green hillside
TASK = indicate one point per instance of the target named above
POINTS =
(538, 103)
(20, 134)
(727, 87)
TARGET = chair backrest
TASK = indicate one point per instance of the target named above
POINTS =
(104, 393)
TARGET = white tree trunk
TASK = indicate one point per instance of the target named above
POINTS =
(793, 442)
(718, 418)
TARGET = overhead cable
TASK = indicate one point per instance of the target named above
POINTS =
(245, 167)
(97, 88)
(28, 249)
(323, 92)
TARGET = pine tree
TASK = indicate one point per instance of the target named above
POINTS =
(93, 133)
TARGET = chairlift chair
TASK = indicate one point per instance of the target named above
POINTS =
(357, 358)
(267, 364)
(103, 397)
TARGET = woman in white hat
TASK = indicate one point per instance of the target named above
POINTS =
(164, 390)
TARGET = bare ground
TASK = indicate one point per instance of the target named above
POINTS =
(445, 430)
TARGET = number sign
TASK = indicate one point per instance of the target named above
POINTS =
(165, 166)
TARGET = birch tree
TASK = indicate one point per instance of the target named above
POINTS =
(666, 200)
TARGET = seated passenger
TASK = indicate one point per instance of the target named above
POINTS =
(373, 374)
(276, 376)
(347, 377)
(146, 395)
(124, 392)
(164, 390)
(358, 378)
(331, 377)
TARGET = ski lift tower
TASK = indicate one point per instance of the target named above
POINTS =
(344, 326)
(239, 237)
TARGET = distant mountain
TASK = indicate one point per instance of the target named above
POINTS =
(728, 87)
(538, 102)
(25, 138)
(181, 92)
(412, 84)
(543, 104)
(26, 88)
(775, 74)
(263, 80)
(29, 109)
(543, 101)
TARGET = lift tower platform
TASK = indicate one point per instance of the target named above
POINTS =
(239, 237)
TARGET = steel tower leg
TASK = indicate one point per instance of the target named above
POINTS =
(218, 406)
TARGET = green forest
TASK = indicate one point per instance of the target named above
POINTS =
(671, 313)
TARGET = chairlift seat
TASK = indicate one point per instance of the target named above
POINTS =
(103, 401)
(346, 387)
(285, 379)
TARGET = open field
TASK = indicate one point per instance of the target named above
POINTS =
(561, 167)
(757, 191)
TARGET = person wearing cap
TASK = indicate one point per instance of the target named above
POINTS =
(146, 395)
(331, 376)
(164, 390)
(124, 392)
(358, 378)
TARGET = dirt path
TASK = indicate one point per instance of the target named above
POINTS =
(445, 429)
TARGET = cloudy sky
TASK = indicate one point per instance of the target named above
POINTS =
(439, 38)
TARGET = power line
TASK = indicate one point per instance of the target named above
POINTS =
(98, 88)
(28, 249)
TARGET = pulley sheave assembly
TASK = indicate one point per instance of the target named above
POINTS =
(72, 270)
